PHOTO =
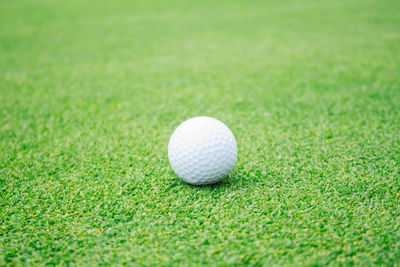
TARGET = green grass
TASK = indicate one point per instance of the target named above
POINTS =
(90, 92)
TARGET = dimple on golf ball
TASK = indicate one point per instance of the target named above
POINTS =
(202, 150)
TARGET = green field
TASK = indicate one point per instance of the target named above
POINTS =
(90, 92)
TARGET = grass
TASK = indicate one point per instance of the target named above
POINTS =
(90, 92)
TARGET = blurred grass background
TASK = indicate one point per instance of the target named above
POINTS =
(90, 92)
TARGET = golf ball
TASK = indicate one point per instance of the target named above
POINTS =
(202, 150)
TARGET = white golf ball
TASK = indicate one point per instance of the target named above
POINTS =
(202, 150)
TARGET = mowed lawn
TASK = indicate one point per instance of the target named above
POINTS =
(90, 92)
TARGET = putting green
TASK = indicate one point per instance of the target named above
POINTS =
(90, 92)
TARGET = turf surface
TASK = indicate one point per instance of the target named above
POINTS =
(90, 92)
